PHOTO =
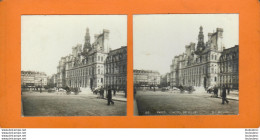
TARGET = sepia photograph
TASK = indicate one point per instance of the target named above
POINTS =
(186, 64)
(73, 65)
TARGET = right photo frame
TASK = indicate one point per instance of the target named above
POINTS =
(186, 64)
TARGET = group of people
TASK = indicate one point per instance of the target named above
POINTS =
(109, 94)
(225, 90)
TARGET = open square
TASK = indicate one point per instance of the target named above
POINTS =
(73, 65)
(176, 103)
(60, 104)
(186, 64)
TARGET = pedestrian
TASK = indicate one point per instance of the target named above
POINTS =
(216, 91)
(228, 90)
(102, 92)
(134, 92)
(224, 95)
(109, 96)
(99, 93)
(114, 91)
(125, 90)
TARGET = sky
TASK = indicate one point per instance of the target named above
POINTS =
(158, 38)
(47, 38)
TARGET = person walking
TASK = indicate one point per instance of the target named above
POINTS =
(224, 95)
(114, 91)
(125, 90)
(134, 92)
(109, 96)
(216, 91)
(102, 93)
(228, 90)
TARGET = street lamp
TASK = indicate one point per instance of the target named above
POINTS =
(154, 84)
(41, 86)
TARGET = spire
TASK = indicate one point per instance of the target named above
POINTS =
(201, 35)
(200, 45)
(87, 45)
(87, 36)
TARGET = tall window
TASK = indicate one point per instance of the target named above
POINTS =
(124, 68)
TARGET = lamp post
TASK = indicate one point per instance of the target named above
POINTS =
(41, 86)
(154, 84)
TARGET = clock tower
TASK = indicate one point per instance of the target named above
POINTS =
(200, 45)
(87, 45)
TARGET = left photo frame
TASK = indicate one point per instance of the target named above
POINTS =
(74, 65)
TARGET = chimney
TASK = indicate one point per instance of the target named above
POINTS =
(106, 33)
(95, 37)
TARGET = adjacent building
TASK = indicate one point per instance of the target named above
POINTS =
(146, 78)
(51, 81)
(165, 80)
(61, 73)
(32, 79)
(116, 68)
(199, 65)
(228, 68)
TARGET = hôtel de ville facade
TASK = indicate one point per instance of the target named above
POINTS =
(206, 64)
(94, 65)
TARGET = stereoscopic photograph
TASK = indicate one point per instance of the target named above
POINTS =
(73, 65)
(186, 64)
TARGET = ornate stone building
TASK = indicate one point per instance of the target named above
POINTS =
(85, 67)
(198, 66)
(116, 68)
(228, 66)
(146, 78)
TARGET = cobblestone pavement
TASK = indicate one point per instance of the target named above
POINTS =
(57, 104)
(169, 103)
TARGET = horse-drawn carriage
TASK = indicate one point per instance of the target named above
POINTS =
(70, 90)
